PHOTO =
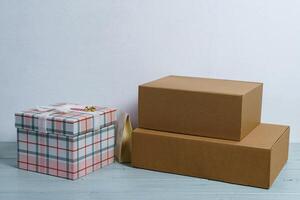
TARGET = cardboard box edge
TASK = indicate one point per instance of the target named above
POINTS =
(285, 135)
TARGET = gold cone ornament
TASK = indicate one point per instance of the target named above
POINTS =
(123, 138)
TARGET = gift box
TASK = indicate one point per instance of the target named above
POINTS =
(214, 108)
(65, 140)
(254, 161)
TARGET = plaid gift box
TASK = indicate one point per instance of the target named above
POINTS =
(59, 151)
(64, 118)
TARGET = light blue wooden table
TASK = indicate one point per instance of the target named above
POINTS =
(124, 182)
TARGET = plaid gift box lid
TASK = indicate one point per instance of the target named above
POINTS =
(65, 118)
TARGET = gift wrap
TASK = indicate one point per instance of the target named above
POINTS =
(65, 140)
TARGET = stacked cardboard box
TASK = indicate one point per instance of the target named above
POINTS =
(208, 128)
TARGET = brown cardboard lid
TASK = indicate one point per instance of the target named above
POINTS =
(203, 85)
(264, 136)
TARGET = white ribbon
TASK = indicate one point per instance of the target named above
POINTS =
(42, 122)
(48, 110)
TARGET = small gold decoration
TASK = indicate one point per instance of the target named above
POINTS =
(90, 109)
(123, 139)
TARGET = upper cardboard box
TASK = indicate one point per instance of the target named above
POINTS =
(215, 108)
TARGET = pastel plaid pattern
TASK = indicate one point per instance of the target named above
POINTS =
(70, 123)
(65, 156)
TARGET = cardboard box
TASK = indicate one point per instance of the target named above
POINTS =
(254, 161)
(199, 106)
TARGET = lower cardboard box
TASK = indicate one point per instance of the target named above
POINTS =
(254, 161)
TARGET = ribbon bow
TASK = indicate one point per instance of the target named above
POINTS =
(90, 109)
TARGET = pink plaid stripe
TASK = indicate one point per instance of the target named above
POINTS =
(63, 156)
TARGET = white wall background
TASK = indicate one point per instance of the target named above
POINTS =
(97, 52)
